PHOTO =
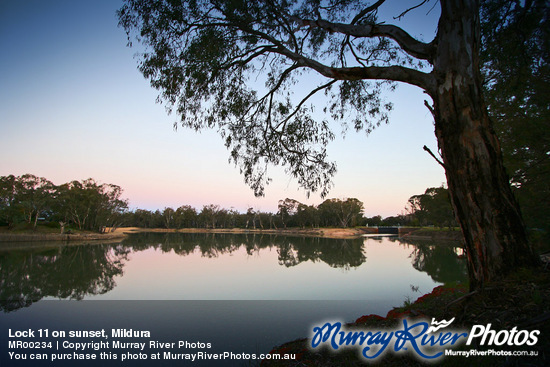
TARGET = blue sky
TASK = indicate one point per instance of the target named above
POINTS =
(73, 105)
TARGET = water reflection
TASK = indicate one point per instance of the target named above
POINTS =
(225, 266)
(64, 272)
(337, 253)
(443, 262)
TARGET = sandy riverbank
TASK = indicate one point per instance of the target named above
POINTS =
(313, 232)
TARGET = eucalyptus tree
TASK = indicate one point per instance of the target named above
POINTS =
(33, 195)
(287, 208)
(343, 213)
(205, 58)
(89, 204)
(209, 216)
(168, 215)
(25, 197)
(186, 216)
(141, 218)
(307, 216)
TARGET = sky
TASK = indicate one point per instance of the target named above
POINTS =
(73, 106)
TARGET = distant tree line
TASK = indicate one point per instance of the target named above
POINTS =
(291, 213)
(85, 205)
(90, 205)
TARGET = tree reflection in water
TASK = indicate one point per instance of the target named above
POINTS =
(292, 251)
(442, 261)
(70, 272)
(337, 253)
(74, 272)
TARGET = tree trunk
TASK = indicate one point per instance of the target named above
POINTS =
(488, 213)
(36, 219)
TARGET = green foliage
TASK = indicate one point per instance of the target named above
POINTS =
(393, 221)
(407, 302)
(86, 204)
(432, 208)
(51, 225)
(287, 209)
(341, 213)
(291, 213)
(185, 217)
(373, 221)
(516, 64)
(209, 215)
(90, 205)
(24, 198)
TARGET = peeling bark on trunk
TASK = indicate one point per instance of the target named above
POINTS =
(488, 213)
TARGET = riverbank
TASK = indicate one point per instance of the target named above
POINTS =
(521, 300)
(435, 234)
(121, 232)
(309, 232)
(71, 237)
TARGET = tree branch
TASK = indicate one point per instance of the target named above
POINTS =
(365, 11)
(410, 45)
(430, 108)
(321, 87)
(394, 72)
(409, 9)
(433, 156)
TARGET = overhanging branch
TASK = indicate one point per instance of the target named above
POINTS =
(395, 73)
(410, 45)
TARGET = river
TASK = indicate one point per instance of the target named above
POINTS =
(235, 291)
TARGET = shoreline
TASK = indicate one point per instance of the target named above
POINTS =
(73, 237)
(123, 232)
(344, 233)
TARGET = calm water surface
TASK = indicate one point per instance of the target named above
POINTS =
(237, 291)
